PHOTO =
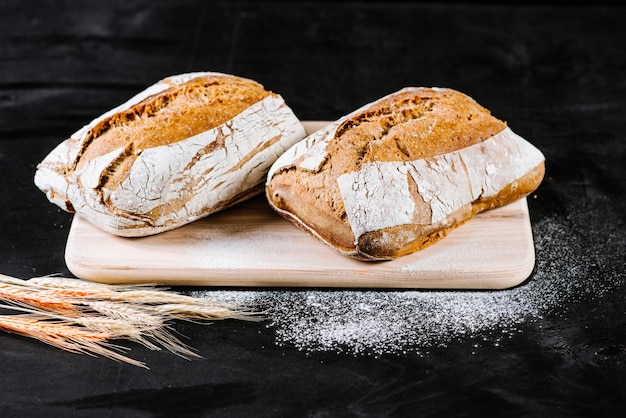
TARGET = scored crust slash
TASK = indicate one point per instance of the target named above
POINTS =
(386, 180)
(185, 147)
(398, 174)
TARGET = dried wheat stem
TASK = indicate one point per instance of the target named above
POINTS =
(127, 312)
(81, 316)
(119, 329)
(149, 329)
(28, 296)
(146, 295)
(63, 336)
(58, 282)
(201, 312)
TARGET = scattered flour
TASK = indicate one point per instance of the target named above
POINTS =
(379, 322)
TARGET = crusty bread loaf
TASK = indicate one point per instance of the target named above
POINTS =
(185, 147)
(398, 174)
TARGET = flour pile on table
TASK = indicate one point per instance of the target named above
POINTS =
(378, 322)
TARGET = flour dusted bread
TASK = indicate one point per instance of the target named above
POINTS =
(183, 148)
(398, 174)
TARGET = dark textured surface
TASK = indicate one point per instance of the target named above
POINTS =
(556, 74)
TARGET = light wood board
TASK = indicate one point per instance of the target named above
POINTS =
(250, 245)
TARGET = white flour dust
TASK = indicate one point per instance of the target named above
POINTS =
(378, 322)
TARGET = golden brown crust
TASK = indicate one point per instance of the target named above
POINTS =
(415, 124)
(410, 125)
(169, 117)
(410, 238)
(183, 148)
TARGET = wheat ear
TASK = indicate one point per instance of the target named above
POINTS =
(81, 317)
(64, 336)
(28, 296)
(149, 295)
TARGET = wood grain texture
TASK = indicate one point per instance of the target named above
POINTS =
(250, 245)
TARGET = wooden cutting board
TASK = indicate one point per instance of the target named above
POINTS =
(250, 245)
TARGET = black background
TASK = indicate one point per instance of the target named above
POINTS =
(556, 74)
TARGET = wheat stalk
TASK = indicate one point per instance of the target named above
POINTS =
(64, 336)
(147, 295)
(155, 329)
(126, 312)
(82, 317)
(27, 296)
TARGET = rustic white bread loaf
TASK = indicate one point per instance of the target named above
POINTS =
(185, 147)
(398, 174)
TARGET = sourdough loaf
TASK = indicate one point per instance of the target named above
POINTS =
(185, 147)
(398, 174)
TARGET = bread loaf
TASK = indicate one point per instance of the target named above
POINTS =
(398, 174)
(187, 146)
